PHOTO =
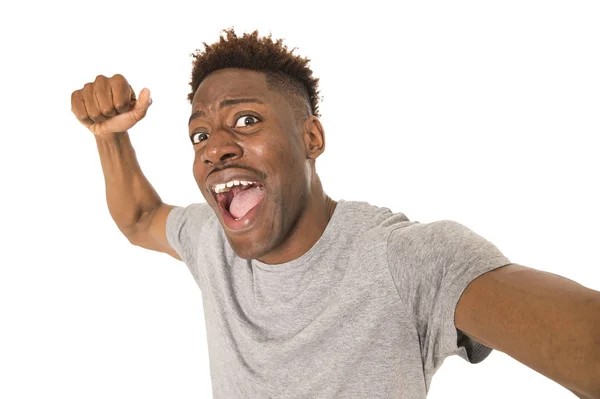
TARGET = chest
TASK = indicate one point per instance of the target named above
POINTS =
(326, 328)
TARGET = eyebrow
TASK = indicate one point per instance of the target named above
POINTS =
(227, 103)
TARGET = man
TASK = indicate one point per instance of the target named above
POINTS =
(309, 297)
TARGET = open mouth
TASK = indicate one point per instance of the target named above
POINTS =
(238, 202)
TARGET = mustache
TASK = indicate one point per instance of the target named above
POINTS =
(257, 172)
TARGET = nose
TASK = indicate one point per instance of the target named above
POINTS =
(220, 147)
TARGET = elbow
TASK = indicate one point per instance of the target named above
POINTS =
(130, 234)
(131, 239)
(594, 383)
(594, 370)
(596, 348)
(588, 385)
(596, 373)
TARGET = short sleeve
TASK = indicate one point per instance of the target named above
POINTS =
(432, 264)
(184, 225)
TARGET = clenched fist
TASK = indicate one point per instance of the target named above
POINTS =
(109, 105)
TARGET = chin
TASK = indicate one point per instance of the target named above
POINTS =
(250, 247)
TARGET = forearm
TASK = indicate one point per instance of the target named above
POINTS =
(580, 395)
(129, 195)
(545, 321)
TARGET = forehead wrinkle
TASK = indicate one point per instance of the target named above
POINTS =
(227, 99)
(234, 101)
(227, 103)
(213, 93)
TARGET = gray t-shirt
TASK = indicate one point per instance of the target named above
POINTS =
(367, 312)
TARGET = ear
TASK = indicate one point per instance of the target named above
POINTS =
(314, 137)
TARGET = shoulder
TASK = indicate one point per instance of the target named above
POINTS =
(440, 232)
(369, 226)
(366, 217)
(190, 220)
(199, 210)
(426, 241)
(444, 244)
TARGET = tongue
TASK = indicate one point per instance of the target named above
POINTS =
(245, 200)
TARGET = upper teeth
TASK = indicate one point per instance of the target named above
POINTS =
(220, 188)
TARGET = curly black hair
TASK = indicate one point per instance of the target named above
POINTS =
(285, 72)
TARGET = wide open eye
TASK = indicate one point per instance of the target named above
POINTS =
(198, 137)
(246, 120)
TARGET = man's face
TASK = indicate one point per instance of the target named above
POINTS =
(245, 134)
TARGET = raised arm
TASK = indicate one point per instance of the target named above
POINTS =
(108, 108)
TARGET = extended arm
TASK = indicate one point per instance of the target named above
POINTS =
(545, 321)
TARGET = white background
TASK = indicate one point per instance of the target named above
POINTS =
(486, 113)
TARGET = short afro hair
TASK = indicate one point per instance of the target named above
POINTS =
(285, 72)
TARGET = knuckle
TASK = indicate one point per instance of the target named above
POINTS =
(100, 78)
(75, 97)
(76, 103)
(88, 87)
(117, 77)
(121, 107)
(97, 117)
(108, 111)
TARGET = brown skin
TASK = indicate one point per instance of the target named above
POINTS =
(108, 106)
(547, 322)
(277, 148)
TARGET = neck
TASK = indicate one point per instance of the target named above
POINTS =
(307, 230)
